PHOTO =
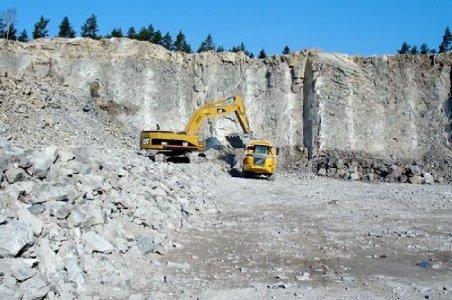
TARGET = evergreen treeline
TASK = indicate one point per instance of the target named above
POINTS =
(90, 29)
(446, 45)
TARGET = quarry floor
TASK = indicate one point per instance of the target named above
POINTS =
(315, 238)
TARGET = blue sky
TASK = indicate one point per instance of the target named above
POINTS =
(358, 27)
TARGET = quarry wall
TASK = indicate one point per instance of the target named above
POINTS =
(315, 102)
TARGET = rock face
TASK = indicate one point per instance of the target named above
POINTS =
(390, 106)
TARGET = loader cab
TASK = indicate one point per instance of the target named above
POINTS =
(258, 149)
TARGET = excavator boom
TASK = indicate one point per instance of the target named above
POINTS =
(217, 108)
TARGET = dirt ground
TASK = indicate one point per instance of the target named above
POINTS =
(316, 238)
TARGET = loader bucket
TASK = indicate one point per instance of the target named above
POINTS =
(238, 140)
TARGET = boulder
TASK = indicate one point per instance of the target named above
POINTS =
(10, 149)
(14, 175)
(24, 187)
(42, 161)
(66, 155)
(51, 192)
(76, 218)
(35, 288)
(146, 245)
(95, 243)
(355, 176)
(74, 271)
(369, 177)
(21, 269)
(428, 178)
(14, 237)
(93, 216)
(64, 211)
(47, 258)
(415, 170)
(25, 162)
(9, 293)
(394, 173)
(416, 179)
(332, 172)
(340, 164)
(321, 172)
(27, 217)
(9, 196)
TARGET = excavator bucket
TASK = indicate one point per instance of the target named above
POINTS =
(238, 140)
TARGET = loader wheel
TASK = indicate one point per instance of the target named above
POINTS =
(246, 174)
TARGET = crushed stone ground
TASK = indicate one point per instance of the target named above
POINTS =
(316, 238)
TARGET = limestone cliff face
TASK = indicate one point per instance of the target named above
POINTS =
(316, 101)
(383, 105)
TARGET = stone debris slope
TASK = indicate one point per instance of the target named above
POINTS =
(70, 225)
(81, 213)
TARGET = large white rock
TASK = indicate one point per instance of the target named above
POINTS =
(96, 243)
(27, 217)
(14, 237)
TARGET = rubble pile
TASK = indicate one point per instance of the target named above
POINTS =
(357, 166)
(72, 225)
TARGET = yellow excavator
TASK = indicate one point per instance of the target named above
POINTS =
(179, 143)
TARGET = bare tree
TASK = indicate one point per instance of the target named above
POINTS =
(8, 17)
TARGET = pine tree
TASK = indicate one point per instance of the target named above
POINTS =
(167, 41)
(446, 44)
(157, 37)
(131, 33)
(207, 44)
(41, 30)
(237, 48)
(116, 32)
(66, 29)
(404, 49)
(23, 37)
(180, 44)
(286, 50)
(144, 34)
(413, 50)
(89, 28)
(262, 54)
(424, 48)
(241, 48)
(220, 49)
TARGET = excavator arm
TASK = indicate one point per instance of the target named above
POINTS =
(188, 140)
(217, 108)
